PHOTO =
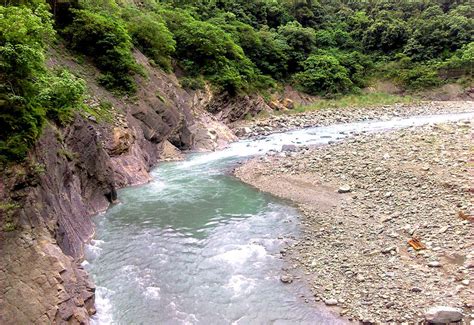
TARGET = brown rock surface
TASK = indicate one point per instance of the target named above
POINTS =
(47, 203)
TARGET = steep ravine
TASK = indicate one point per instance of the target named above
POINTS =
(73, 173)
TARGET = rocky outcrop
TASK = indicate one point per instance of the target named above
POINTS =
(72, 174)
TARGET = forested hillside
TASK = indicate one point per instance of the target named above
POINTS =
(325, 48)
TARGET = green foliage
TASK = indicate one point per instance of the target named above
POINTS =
(385, 35)
(193, 83)
(301, 42)
(105, 39)
(28, 93)
(60, 94)
(419, 77)
(323, 74)
(150, 34)
(205, 49)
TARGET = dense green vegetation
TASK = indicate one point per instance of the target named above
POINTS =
(29, 93)
(324, 47)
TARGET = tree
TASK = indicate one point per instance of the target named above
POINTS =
(105, 39)
(323, 75)
(150, 34)
(301, 42)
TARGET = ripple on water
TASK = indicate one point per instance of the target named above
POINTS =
(198, 247)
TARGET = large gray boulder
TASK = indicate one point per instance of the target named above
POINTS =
(443, 315)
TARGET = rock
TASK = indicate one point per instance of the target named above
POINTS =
(443, 315)
(389, 249)
(289, 147)
(330, 302)
(286, 278)
(434, 264)
(344, 189)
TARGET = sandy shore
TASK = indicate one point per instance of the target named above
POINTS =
(411, 184)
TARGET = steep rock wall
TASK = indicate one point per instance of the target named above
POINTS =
(72, 174)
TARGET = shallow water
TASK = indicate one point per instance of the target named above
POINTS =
(196, 246)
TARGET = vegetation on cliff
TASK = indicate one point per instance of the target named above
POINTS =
(324, 47)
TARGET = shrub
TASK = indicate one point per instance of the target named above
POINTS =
(323, 75)
(28, 92)
(105, 40)
(150, 34)
(419, 77)
(301, 42)
(193, 83)
(205, 49)
(60, 93)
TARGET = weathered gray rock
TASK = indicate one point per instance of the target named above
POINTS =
(289, 147)
(443, 315)
(330, 302)
(344, 189)
(286, 278)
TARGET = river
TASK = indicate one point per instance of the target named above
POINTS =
(197, 246)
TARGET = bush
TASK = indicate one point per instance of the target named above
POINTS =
(193, 83)
(105, 40)
(60, 93)
(301, 42)
(28, 93)
(419, 77)
(150, 34)
(323, 75)
(205, 49)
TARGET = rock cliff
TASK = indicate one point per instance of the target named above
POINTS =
(72, 174)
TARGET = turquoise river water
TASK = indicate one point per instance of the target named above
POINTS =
(197, 246)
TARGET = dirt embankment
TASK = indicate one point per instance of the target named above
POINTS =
(362, 201)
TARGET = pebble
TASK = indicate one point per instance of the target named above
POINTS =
(330, 302)
(357, 250)
(286, 279)
(434, 264)
(344, 189)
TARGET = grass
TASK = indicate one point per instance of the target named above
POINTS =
(8, 208)
(104, 112)
(358, 100)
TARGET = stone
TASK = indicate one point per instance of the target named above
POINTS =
(389, 249)
(286, 278)
(443, 315)
(330, 302)
(434, 264)
(289, 147)
(344, 189)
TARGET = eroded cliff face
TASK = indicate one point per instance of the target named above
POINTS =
(72, 174)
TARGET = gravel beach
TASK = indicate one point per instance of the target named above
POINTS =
(387, 219)
(334, 115)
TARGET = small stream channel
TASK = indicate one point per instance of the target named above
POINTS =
(197, 246)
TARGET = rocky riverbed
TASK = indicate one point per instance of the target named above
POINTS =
(333, 115)
(387, 226)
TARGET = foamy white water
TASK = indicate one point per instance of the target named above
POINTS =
(196, 246)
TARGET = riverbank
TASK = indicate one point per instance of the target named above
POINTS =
(334, 115)
(363, 200)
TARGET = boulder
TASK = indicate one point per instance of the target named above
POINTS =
(443, 315)
(289, 147)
